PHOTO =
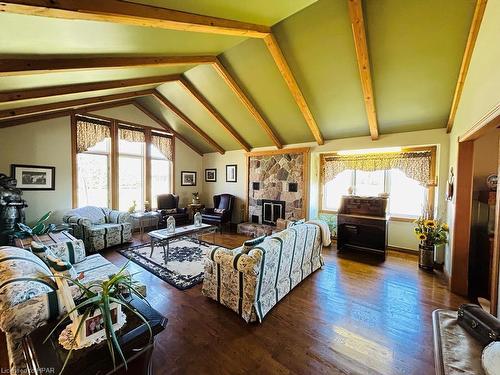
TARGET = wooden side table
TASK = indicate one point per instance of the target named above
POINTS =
(194, 208)
(48, 358)
(145, 220)
(46, 239)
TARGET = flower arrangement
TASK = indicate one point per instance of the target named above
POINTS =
(431, 232)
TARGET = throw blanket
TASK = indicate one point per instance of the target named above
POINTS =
(325, 231)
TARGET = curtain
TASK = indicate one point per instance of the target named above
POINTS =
(131, 135)
(164, 144)
(89, 132)
(414, 164)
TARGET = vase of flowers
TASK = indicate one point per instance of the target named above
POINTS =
(431, 234)
(196, 198)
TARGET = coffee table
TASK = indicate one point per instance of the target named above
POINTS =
(163, 238)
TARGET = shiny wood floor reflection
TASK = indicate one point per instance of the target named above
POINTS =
(377, 314)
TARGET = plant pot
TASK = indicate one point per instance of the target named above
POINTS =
(439, 253)
(426, 257)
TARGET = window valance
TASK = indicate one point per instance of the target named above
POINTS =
(89, 132)
(414, 164)
(131, 135)
(164, 144)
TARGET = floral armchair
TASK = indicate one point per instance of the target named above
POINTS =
(99, 228)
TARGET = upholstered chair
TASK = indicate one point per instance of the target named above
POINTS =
(168, 205)
(222, 211)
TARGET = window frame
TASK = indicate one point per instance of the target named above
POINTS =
(431, 187)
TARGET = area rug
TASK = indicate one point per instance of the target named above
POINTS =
(184, 268)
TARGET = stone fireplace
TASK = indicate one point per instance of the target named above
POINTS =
(272, 210)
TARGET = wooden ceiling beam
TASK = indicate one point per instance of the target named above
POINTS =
(128, 13)
(188, 86)
(50, 107)
(464, 68)
(361, 46)
(26, 66)
(165, 126)
(168, 104)
(281, 63)
(47, 92)
(240, 94)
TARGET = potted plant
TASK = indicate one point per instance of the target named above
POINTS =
(432, 234)
(196, 198)
(40, 227)
(101, 302)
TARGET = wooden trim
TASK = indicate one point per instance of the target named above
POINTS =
(26, 111)
(213, 112)
(147, 167)
(240, 94)
(15, 67)
(165, 126)
(305, 194)
(34, 118)
(487, 122)
(279, 59)
(126, 13)
(47, 92)
(495, 269)
(462, 222)
(168, 104)
(74, 166)
(469, 49)
(114, 175)
(359, 33)
(278, 152)
(121, 122)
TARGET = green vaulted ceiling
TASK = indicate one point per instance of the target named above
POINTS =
(415, 49)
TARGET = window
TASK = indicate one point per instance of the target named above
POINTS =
(369, 184)
(131, 169)
(407, 197)
(161, 171)
(334, 190)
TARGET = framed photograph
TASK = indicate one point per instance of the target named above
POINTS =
(231, 173)
(211, 175)
(188, 178)
(34, 177)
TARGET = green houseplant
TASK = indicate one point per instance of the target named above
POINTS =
(99, 295)
(39, 228)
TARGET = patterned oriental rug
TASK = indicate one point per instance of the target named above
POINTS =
(184, 268)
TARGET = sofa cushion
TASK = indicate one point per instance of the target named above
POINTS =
(169, 211)
(103, 229)
(69, 251)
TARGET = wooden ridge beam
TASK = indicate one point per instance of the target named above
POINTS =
(128, 13)
(281, 63)
(360, 44)
(50, 107)
(46, 92)
(464, 68)
(213, 112)
(168, 104)
(165, 126)
(233, 85)
(12, 67)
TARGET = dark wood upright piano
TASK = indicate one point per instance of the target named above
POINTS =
(362, 224)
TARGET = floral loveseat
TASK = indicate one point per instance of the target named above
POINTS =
(252, 281)
(28, 293)
(98, 227)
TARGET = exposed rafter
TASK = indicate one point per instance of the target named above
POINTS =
(359, 33)
(213, 112)
(45, 108)
(128, 13)
(233, 85)
(13, 67)
(168, 104)
(279, 59)
(469, 48)
(165, 126)
(46, 92)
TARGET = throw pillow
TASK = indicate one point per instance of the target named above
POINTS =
(59, 266)
(219, 210)
(250, 244)
(296, 222)
(169, 211)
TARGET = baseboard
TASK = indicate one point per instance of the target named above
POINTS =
(402, 250)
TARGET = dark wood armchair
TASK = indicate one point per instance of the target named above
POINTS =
(168, 205)
(222, 211)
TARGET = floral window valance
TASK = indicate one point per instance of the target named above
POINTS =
(131, 135)
(164, 144)
(414, 164)
(90, 132)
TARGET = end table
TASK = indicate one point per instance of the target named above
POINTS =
(194, 208)
(144, 220)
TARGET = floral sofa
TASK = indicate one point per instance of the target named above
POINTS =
(251, 281)
(28, 293)
(99, 228)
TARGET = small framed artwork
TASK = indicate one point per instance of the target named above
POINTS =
(211, 175)
(231, 173)
(34, 177)
(188, 178)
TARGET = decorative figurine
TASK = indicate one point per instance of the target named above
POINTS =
(132, 208)
(197, 219)
(170, 224)
(147, 206)
(11, 208)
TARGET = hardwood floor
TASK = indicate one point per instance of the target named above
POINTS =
(353, 309)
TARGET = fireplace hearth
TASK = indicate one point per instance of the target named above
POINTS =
(272, 210)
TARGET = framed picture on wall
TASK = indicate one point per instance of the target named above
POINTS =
(231, 173)
(34, 177)
(188, 178)
(211, 175)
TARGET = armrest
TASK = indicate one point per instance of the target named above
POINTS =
(236, 259)
(118, 217)
(207, 211)
(182, 210)
(69, 251)
(77, 220)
